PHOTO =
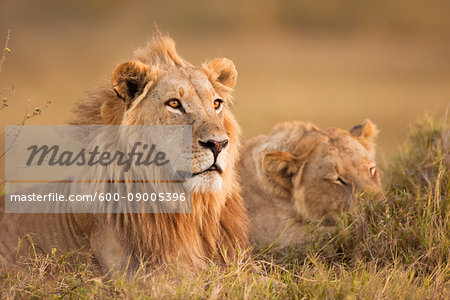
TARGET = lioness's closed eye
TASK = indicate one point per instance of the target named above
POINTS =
(300, 173)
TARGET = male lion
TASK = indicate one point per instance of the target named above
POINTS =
(157, 87)
(299, 173)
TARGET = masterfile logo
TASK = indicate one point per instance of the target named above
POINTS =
(97, 169)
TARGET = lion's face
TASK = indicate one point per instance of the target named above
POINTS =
(324, 170)
(181, 94)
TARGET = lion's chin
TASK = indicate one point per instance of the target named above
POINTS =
(205, 182)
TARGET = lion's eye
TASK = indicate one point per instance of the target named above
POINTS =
(373, 171)
(217, 103)
(174, 103)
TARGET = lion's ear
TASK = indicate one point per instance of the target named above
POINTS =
(280, 167)
(129, 79)
(221, 70)
(366, 133)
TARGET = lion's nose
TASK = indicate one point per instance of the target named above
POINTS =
(215, 146)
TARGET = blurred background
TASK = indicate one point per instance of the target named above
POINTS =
(332, 62)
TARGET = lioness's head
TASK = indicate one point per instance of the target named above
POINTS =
(158, 87)
(320, 170)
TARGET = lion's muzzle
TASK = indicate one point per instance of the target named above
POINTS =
(216, 147)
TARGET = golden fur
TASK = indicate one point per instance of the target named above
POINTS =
(217, 227)
(299, 173)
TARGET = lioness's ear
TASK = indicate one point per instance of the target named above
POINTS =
(366, 133)
(221, 70)
(280, 166)
(129, 79)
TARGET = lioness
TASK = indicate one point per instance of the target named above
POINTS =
(157, 87)
(299, 173)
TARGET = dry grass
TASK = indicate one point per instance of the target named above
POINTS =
(396, 245)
